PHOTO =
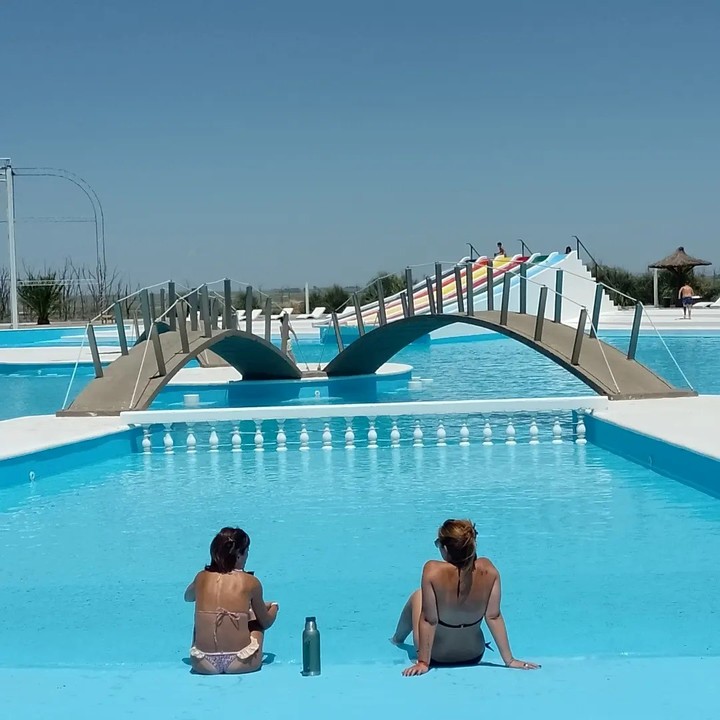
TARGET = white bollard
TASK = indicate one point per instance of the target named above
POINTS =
(464, 435)
(146, 441)
(487, 434)
(557, 433)
(304, 438)
(394, 435)
(236, 439)
(441, 434)
(534, 433)
(417, 435)
(580, 430)
(349, 435)
(191, 441)
(327, 438)
(259, 440)
(281, 438)
(168, 438)
(372, 434)
(510, 434)
(214, 440)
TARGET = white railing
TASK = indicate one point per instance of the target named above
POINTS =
(461, 422)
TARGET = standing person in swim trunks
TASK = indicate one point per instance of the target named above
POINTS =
(444, 615)
(686, 298)
(230, 614)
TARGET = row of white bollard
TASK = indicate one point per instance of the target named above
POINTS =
(419, 437)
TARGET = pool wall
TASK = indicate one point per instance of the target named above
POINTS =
(52, 461)
(701, 472)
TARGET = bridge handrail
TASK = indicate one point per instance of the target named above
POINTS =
(592, 326)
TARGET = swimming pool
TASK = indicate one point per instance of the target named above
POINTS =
(590, 547)
(608, 568)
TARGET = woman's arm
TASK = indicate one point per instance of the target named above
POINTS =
(265, 613)
(496, 623)
(190, 591)
(426, 626)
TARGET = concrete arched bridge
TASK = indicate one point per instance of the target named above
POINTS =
(133, 380)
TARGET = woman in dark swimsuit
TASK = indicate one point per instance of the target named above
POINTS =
(444, 615)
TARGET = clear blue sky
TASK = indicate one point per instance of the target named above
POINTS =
(286, 141)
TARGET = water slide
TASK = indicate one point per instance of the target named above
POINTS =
(578, 289)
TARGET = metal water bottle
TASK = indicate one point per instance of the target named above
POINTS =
(311, 648)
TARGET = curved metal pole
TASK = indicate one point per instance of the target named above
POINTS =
(92, 196)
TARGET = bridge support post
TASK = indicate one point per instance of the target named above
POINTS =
(248, 309)
(523, 288)
(579, 337)
(194, 306)
(490, 285)
(438, 288)
(358, 313)
(558, 296)
(505, 302)
(540, 317)
(338, 334)
(268, 319)
(404, 302)
(410, 293)
(635, 332)
(163, 303)
(157, 346)
(145, 310)
(117, 310)
(459, 290)
(94, 352)
(229, 316)
(382, 315)
(205, 311)
(172, 308)
(182, 329)
(597, 304)
(153, 308)
(430, 294)
(469, 288)
(214, 313)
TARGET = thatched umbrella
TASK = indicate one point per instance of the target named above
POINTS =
(679, 263)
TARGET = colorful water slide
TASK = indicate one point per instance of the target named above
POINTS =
(501, 266)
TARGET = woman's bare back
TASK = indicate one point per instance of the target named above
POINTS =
(222, 610)
(470, 607)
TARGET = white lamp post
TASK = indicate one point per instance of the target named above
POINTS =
(6, 168)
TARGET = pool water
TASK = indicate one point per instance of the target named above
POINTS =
(599, 557)
(460, 370)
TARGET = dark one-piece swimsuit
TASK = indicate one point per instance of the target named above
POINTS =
(472, 661)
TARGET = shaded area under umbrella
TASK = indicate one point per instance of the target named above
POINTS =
(680, 265)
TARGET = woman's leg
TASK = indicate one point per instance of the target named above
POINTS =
(409, 619)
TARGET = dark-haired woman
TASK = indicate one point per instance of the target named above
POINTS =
(444, 615)
(230, 613)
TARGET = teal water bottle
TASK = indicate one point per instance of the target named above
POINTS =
(311, 648)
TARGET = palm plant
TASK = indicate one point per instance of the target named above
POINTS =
(42, 294)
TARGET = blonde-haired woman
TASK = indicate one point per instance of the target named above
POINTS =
(444, 615)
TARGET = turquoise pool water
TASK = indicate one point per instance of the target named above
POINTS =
(600, 558)
(459, 370)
